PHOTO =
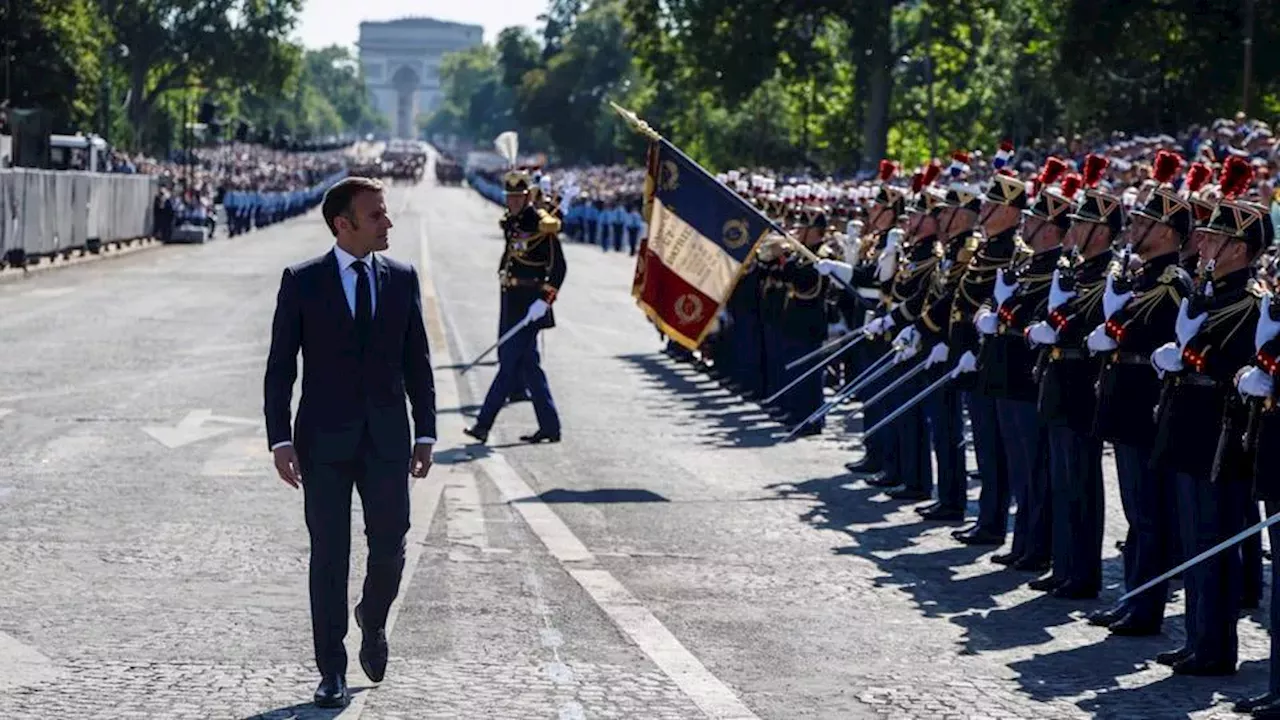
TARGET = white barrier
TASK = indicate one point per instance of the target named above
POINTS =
(43, 212)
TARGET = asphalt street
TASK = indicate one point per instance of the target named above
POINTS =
(669, 559)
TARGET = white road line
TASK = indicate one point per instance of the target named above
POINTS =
(711, 695)
(464, 513)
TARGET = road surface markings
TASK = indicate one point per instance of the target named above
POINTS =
(711, 695)
(22, 665)
(191, 428)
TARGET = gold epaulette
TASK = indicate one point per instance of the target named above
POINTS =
(548, 224)
(968, 251)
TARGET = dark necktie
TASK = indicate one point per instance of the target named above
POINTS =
(364, 302)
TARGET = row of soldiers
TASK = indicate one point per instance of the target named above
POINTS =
(1057, 322)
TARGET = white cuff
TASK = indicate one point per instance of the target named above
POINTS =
(424, 441)
(280, 445)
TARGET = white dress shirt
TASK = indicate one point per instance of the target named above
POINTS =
(349, 276)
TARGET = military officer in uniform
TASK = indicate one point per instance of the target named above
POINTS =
(1257, 387)
(1020, 295)
(1139, 310)
(532, 271)
(1067, 372)
(999, 220)
(1201, 421)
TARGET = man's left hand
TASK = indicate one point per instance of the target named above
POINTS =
(421, 462)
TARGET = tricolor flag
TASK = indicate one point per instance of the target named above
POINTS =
(700, 236)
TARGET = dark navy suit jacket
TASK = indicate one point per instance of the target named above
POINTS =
(347, 392)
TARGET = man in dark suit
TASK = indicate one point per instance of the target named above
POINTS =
(357, 318)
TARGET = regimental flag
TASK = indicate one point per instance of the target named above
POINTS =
(700, 236)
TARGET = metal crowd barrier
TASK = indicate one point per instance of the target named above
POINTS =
(44, 212)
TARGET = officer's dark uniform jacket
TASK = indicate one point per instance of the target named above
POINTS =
(1265, 426)
(906, 294)
(1200, 403)
(1006, 364)
(800, 291)
(928, 306)
(532, 265)
(1067, 370)
(1128, 390)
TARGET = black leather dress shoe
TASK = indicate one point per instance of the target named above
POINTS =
(1266, 705)
(1074, 591)
(1104, 618)
(978, 536)
(902, 492)
(1046, 583)
(480, 434)
(373, 649)
(865, 465)
(1173, 657)
(927, 507)
(942, 513)
(540, 436)
(332, 692)
(882, 481)
(1200, 668)
(1131, 626)
(1007, 559)
(1030, 564)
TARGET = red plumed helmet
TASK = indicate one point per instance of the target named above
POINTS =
(1053, 169)
(1237, 173)
(887, 169)
(1166, 166)
(917, 182)
(1197, 175)
(1094, 165)
(931, 172)
(961, 156)
(1071, 183)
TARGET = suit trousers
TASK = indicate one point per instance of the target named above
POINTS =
(945, 416)
(383, 484)
(1026, 448)
(1147, 497)
(912, 463)
(1208, 513)
(989, 448)
(1076, 485)
(519, 366)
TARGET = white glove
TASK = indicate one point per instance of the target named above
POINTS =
(1167, 358)
(1254, 383)
(1003, 289)
(1058, 296)
(986, 321)
(837, 329)
(1187, 326)
(841, 271)
(853, 229)
(968, 362)
(1099, 341)
(887, 263)
(1111, 302)
(884, 323)
(1267, 328)
(909, 342)
(936, 355)
(893, 239)
(536, 311)
(1042, 333)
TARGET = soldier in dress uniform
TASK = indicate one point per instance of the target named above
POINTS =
(998, 220)
(1067, 373)
(956, 211)
(1139, 310)
(1257, 387)
(1199, 403)
(531, 273)
(915, 265)
(870, 271)
(1020, 295)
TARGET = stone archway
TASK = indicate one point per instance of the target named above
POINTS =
(406, 82)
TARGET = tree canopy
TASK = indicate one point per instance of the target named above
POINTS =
(838, 84)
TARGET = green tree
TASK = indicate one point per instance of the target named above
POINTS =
(56, 50)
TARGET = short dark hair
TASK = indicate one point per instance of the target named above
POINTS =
(337, 199)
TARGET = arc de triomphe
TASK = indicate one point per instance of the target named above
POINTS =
(401, 61)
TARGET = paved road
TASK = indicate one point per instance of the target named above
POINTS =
(667, 560)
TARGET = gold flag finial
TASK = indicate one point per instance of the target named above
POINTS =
(635, 122)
